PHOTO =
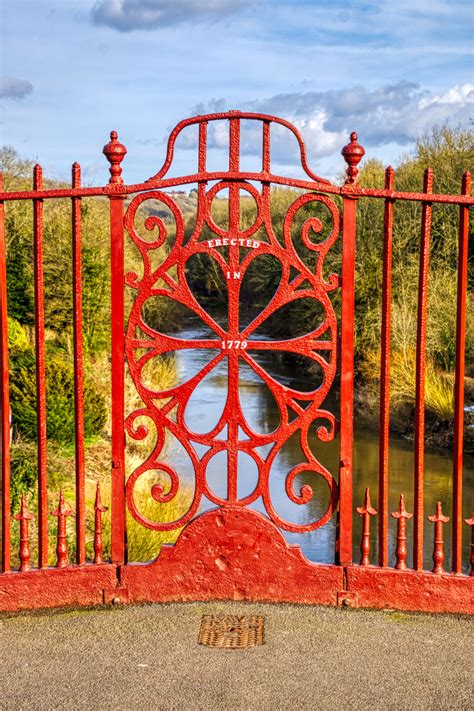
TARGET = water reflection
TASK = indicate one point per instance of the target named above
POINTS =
(262, 413)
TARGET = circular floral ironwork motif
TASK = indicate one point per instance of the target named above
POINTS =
(233, 249)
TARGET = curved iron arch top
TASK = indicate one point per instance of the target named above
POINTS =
(234, 118)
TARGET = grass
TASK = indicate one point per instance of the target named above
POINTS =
(439, 385)
(143, 544)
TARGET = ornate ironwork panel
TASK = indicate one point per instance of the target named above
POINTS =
(233, 249)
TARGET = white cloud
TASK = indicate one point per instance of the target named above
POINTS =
(391, 114)
(11, 88)
(128, 15)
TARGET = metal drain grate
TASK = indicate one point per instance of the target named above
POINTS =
(231, 631)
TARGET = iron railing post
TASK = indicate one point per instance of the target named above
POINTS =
(115, 152)
(4, 395)
(352, 153)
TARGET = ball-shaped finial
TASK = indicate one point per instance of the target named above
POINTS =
(353, 153)
(115, 152)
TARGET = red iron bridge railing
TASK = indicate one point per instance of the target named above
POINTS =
(222, 542)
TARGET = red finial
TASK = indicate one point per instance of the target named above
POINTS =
(37, 177)
(99, 510)
(428, 180)
(76, 175)
(61, 549)
(401, 552)
(23, 517)
(115, 152)
(470, 522)
(353, 154)
(366, 511)
(438, 552)
(389, 177)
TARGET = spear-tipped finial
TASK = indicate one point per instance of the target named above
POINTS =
(24, 517)
(61, 549)
(438, 550)
(366, 511)
(99, 510)
(401, 552)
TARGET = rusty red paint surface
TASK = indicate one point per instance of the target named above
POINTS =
(232, 552)
(411, 590)
(74, 586)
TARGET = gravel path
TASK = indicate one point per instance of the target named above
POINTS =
(147, 657)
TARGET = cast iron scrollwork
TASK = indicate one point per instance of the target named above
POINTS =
(301, 413)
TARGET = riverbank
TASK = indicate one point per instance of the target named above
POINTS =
(439, 433)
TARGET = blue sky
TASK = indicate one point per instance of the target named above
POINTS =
(72, 70)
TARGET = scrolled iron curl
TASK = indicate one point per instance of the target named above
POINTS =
(316, 225)
(152, 221)
(153, 464)
(157, 492)
(322, 432)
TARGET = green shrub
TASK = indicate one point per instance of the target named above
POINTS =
(59, 401)
(23, 472)
(17, 338)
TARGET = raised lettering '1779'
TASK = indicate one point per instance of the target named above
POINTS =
(231, 345)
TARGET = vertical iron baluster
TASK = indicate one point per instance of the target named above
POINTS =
(352, 153)
(40, 372)
(385, 371)
(24, 517)
(266, 147)
(115, 152)
(61, 548)
(202, 147)
(419, 462)
(233, 308)
(402, 516)
(470, 522)
(78, 366)
(459, 376)
(4, 394)
(99, 509)
(438, 548)
(366, 511)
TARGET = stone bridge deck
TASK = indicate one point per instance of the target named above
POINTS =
(147, 657)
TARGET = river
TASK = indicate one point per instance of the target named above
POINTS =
(205, 408)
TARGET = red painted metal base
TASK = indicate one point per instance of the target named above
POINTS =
(232, 554)
(236, 554)
(410, 590)
(74, 586)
